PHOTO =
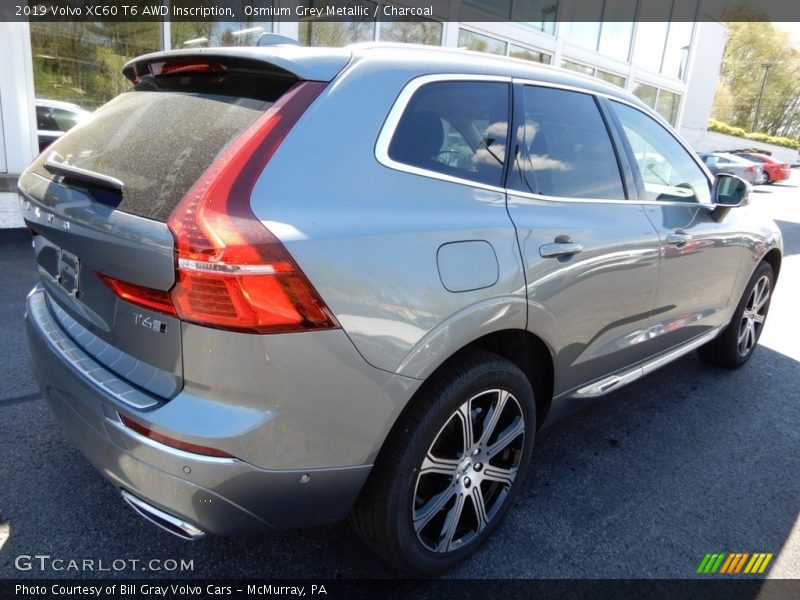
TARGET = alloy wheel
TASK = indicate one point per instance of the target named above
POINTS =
(468, 471)
(753, 317)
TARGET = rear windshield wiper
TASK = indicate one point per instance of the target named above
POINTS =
(85, 175)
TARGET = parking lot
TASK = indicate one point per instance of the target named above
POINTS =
(643, 483)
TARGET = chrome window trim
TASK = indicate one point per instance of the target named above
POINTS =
(408, 91)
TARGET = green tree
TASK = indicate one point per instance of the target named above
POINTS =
(750, 46)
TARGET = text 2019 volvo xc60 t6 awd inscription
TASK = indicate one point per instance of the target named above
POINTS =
(282, 286)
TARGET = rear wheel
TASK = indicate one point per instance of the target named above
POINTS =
(452, 466)
(734, 346)
(763, 178)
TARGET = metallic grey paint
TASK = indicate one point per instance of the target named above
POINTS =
(415, 266)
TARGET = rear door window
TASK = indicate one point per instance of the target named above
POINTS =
(569, 151)
(455, 128)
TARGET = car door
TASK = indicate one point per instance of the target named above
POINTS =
(590, 254)
(699, 257)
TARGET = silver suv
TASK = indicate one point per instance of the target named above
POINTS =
(282, 286)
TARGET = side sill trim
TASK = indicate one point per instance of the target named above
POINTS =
(613, 382)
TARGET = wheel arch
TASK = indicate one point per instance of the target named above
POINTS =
(774, 258)
(524, 349)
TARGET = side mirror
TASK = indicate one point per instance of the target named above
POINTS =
(728, 192)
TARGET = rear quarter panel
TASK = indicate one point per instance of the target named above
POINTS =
(367, 236)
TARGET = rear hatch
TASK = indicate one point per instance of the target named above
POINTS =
(97, 202)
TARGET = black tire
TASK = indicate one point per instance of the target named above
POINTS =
(726, 350)
(383, 515)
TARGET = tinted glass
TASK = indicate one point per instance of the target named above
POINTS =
(610, 77)
(65, 120)
(160, 138)
(480, 43)
(457, 128)
(668, 170)
(412, 32)
(645, 93)
(570, 152)
(577, 67)
(528, 54)
(43, 119)
(81, 61)
(543, 13)
(667, 105)
(217, 33)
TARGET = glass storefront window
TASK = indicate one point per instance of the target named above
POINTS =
(646, 93)
(581, 22)
(480, 43)
(81, 62)
(615, 39)
(337, 33)
(543, 11)
(583, 33)
(577, 67)
(667, 105)
(651, 34)
(315, 33)
(210, 34)
(676, 54)
(412, 32)
(528, 54)
(610, 77)
(617, 31)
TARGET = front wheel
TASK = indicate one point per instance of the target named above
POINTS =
(735, 345)
(452, 466)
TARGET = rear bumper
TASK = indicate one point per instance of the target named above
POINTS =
(214, 495)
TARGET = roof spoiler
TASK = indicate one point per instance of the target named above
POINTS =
(309, 64)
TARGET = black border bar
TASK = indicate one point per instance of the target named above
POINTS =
(369, 10)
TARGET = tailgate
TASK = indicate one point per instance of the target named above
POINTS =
(99, 198)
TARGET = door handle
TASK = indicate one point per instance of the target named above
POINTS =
(562, 246)
(679, 236)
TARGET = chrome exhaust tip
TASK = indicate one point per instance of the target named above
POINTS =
(165, 521)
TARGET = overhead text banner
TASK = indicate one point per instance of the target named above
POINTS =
(532, 11)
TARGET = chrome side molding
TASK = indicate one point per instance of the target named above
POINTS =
(613, 382)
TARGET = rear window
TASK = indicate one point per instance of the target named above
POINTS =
(162, 135)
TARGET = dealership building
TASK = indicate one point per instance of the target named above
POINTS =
(667, 55)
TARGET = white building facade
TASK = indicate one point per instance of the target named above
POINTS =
(670, 58)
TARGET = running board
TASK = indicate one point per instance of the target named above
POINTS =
(614, 382)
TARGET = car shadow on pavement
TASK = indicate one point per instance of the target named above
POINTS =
(641, 483)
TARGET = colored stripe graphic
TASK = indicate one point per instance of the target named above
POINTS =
(728, 563)
(702, 567)
(741, 562)
(734, 562)
(710, 563)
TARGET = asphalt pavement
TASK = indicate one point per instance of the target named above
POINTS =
(641, 484)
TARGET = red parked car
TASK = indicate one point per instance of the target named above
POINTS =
(774, 170)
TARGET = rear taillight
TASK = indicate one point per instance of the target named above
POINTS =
(751, 169)
(232, 272)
